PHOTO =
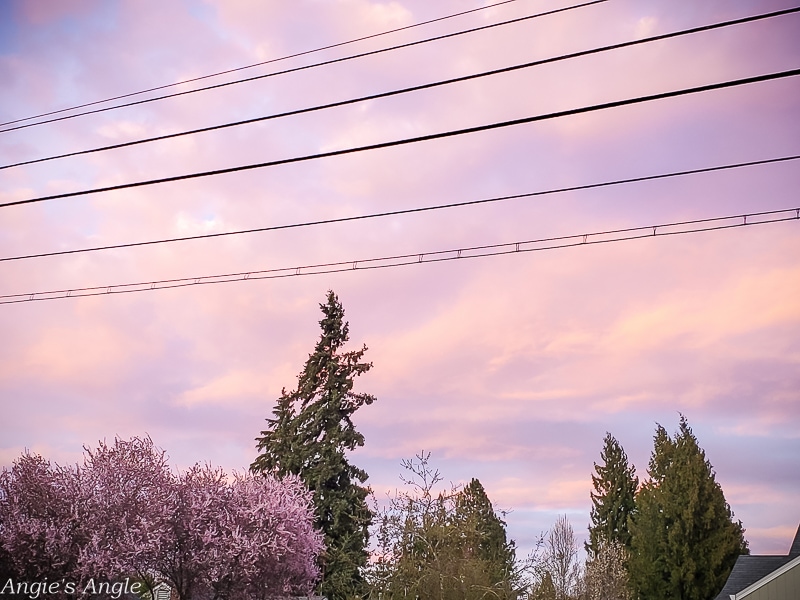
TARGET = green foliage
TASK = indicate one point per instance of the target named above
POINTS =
(309, 436)
(449, 545)
(483, 532)
(613, 498)
(683, 537)
(544, 588)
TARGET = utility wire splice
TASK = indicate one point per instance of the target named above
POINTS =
(627, 234)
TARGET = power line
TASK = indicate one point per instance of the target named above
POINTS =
(417, 87)
(258, 64)
(311, 66)
(412, 210)
(552, 243)
(422, 138)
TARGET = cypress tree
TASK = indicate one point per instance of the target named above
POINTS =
(613, 498)
(683, 537)
(309, 436)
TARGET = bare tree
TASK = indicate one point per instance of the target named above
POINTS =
(561, 563)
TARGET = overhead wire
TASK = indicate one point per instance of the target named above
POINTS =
(421, 138)
(311, 66)
(419, 87)
(262, 63)
(551, 243)
(573, 188)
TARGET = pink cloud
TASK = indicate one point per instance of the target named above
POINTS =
(40, 12)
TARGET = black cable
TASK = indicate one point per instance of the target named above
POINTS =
(260, 64)
(416, 87)
(422, 138)
(650, 231)
(406, 211)
(311, 66)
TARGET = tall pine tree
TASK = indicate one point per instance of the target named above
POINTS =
(613, 498)
(683, 537)
(310, 434)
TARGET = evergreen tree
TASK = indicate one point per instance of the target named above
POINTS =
(309, 436)
(613, 498)
(544, 589)
(648, 564)
(474, 512)
(684, 541)
(445, 546)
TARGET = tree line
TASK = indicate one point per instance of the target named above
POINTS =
(673, 536)
(301, 519)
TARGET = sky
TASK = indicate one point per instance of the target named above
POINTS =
(507, 368)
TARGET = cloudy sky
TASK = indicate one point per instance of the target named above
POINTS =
(507, 368)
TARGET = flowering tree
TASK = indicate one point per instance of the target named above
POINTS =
(606, 577)
(123, 513)
(127, 494)
(250, 538)
(196, 532)
(279, 543)
(37, 526)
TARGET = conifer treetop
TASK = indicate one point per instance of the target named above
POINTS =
(310, 434)
(613, 498)
(684, 537)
